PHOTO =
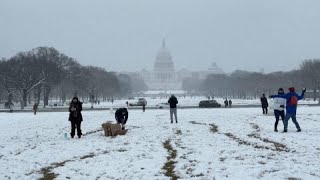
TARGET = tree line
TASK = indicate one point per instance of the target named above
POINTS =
(44, 72)
(244, 84)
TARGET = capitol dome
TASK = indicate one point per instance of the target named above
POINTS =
(163, 61)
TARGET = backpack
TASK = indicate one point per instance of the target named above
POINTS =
(293, 101)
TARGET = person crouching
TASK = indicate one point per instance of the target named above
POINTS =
(121, 117)
(75, 116)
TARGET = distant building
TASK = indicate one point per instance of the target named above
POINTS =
(164, 75)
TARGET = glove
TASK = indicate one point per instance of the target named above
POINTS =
(304, 90)
(282, 106)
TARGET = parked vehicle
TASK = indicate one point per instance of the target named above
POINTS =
(209, 104)
(140, 102)
(163, 105)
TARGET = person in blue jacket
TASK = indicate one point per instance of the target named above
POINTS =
(292, 99)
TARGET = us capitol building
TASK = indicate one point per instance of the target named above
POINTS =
(164, 75)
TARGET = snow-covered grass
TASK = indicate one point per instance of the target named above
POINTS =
(205, 144)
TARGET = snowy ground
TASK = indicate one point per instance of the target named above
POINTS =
(205, 144)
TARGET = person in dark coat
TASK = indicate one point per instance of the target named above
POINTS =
(121, 117)
(75, 116)
(264, 104)
(292, 99)
(226, 103)
(230, 103)
(173, 108)
(35, 108)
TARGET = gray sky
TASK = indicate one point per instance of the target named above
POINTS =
(126, 34)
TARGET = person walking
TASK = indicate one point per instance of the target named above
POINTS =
(144, 107)
(292, 99)
(173, 107)
(226, 103)
(75, 116)
(264, 104)
(35, 108)
(278, 107)
(230, 103)
(122, 116)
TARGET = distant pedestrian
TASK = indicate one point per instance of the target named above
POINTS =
(75, 116)
(122, 116)
(230, 103)
(292, 99)
(278, 106)
(144, 107)
(226, 103)
(35, 108)
(173, 108)
(264, 104)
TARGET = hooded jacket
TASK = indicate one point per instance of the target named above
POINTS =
(75, 115)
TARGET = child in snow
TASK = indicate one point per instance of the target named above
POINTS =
(75, 116)
(278, 107)
(292, 99)
(121, 117)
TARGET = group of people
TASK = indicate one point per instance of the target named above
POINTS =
(288, 101)
(227, 103)
(282, 101)
(121, 115)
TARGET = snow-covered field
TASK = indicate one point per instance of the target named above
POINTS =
(205, 144)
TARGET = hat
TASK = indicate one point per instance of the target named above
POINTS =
(280, 91)
(291, 89)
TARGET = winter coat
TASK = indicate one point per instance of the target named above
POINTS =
(279, 104)
(75, 115)
(264, 102)
(291, 109)
(173, 102)
(121, 114)
(35, 107)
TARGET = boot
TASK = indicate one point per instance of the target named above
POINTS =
(275, 130)
(285, 131)
(79, 136)
(299, 130)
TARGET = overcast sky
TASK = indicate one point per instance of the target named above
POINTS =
(125, 35)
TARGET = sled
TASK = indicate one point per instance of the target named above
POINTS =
(113, 129)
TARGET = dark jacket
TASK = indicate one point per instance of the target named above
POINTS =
(75, 115)
(121, 114)
(264, 102)
(291, 109)
(173, 102)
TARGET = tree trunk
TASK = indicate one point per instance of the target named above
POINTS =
(46, 94)
(23, 99)
(63, 96)
(38, 95)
